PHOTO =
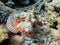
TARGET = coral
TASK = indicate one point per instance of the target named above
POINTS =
(57, 19)
(52, 5)
(3, 16)
(37, 22)
(55, 33)
(3, 33)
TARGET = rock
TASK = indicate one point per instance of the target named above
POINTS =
(9, 4)
(16, 40)
(33, 44)
(4, 1)
(1, 4)
(39, 43)
(24, 2)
